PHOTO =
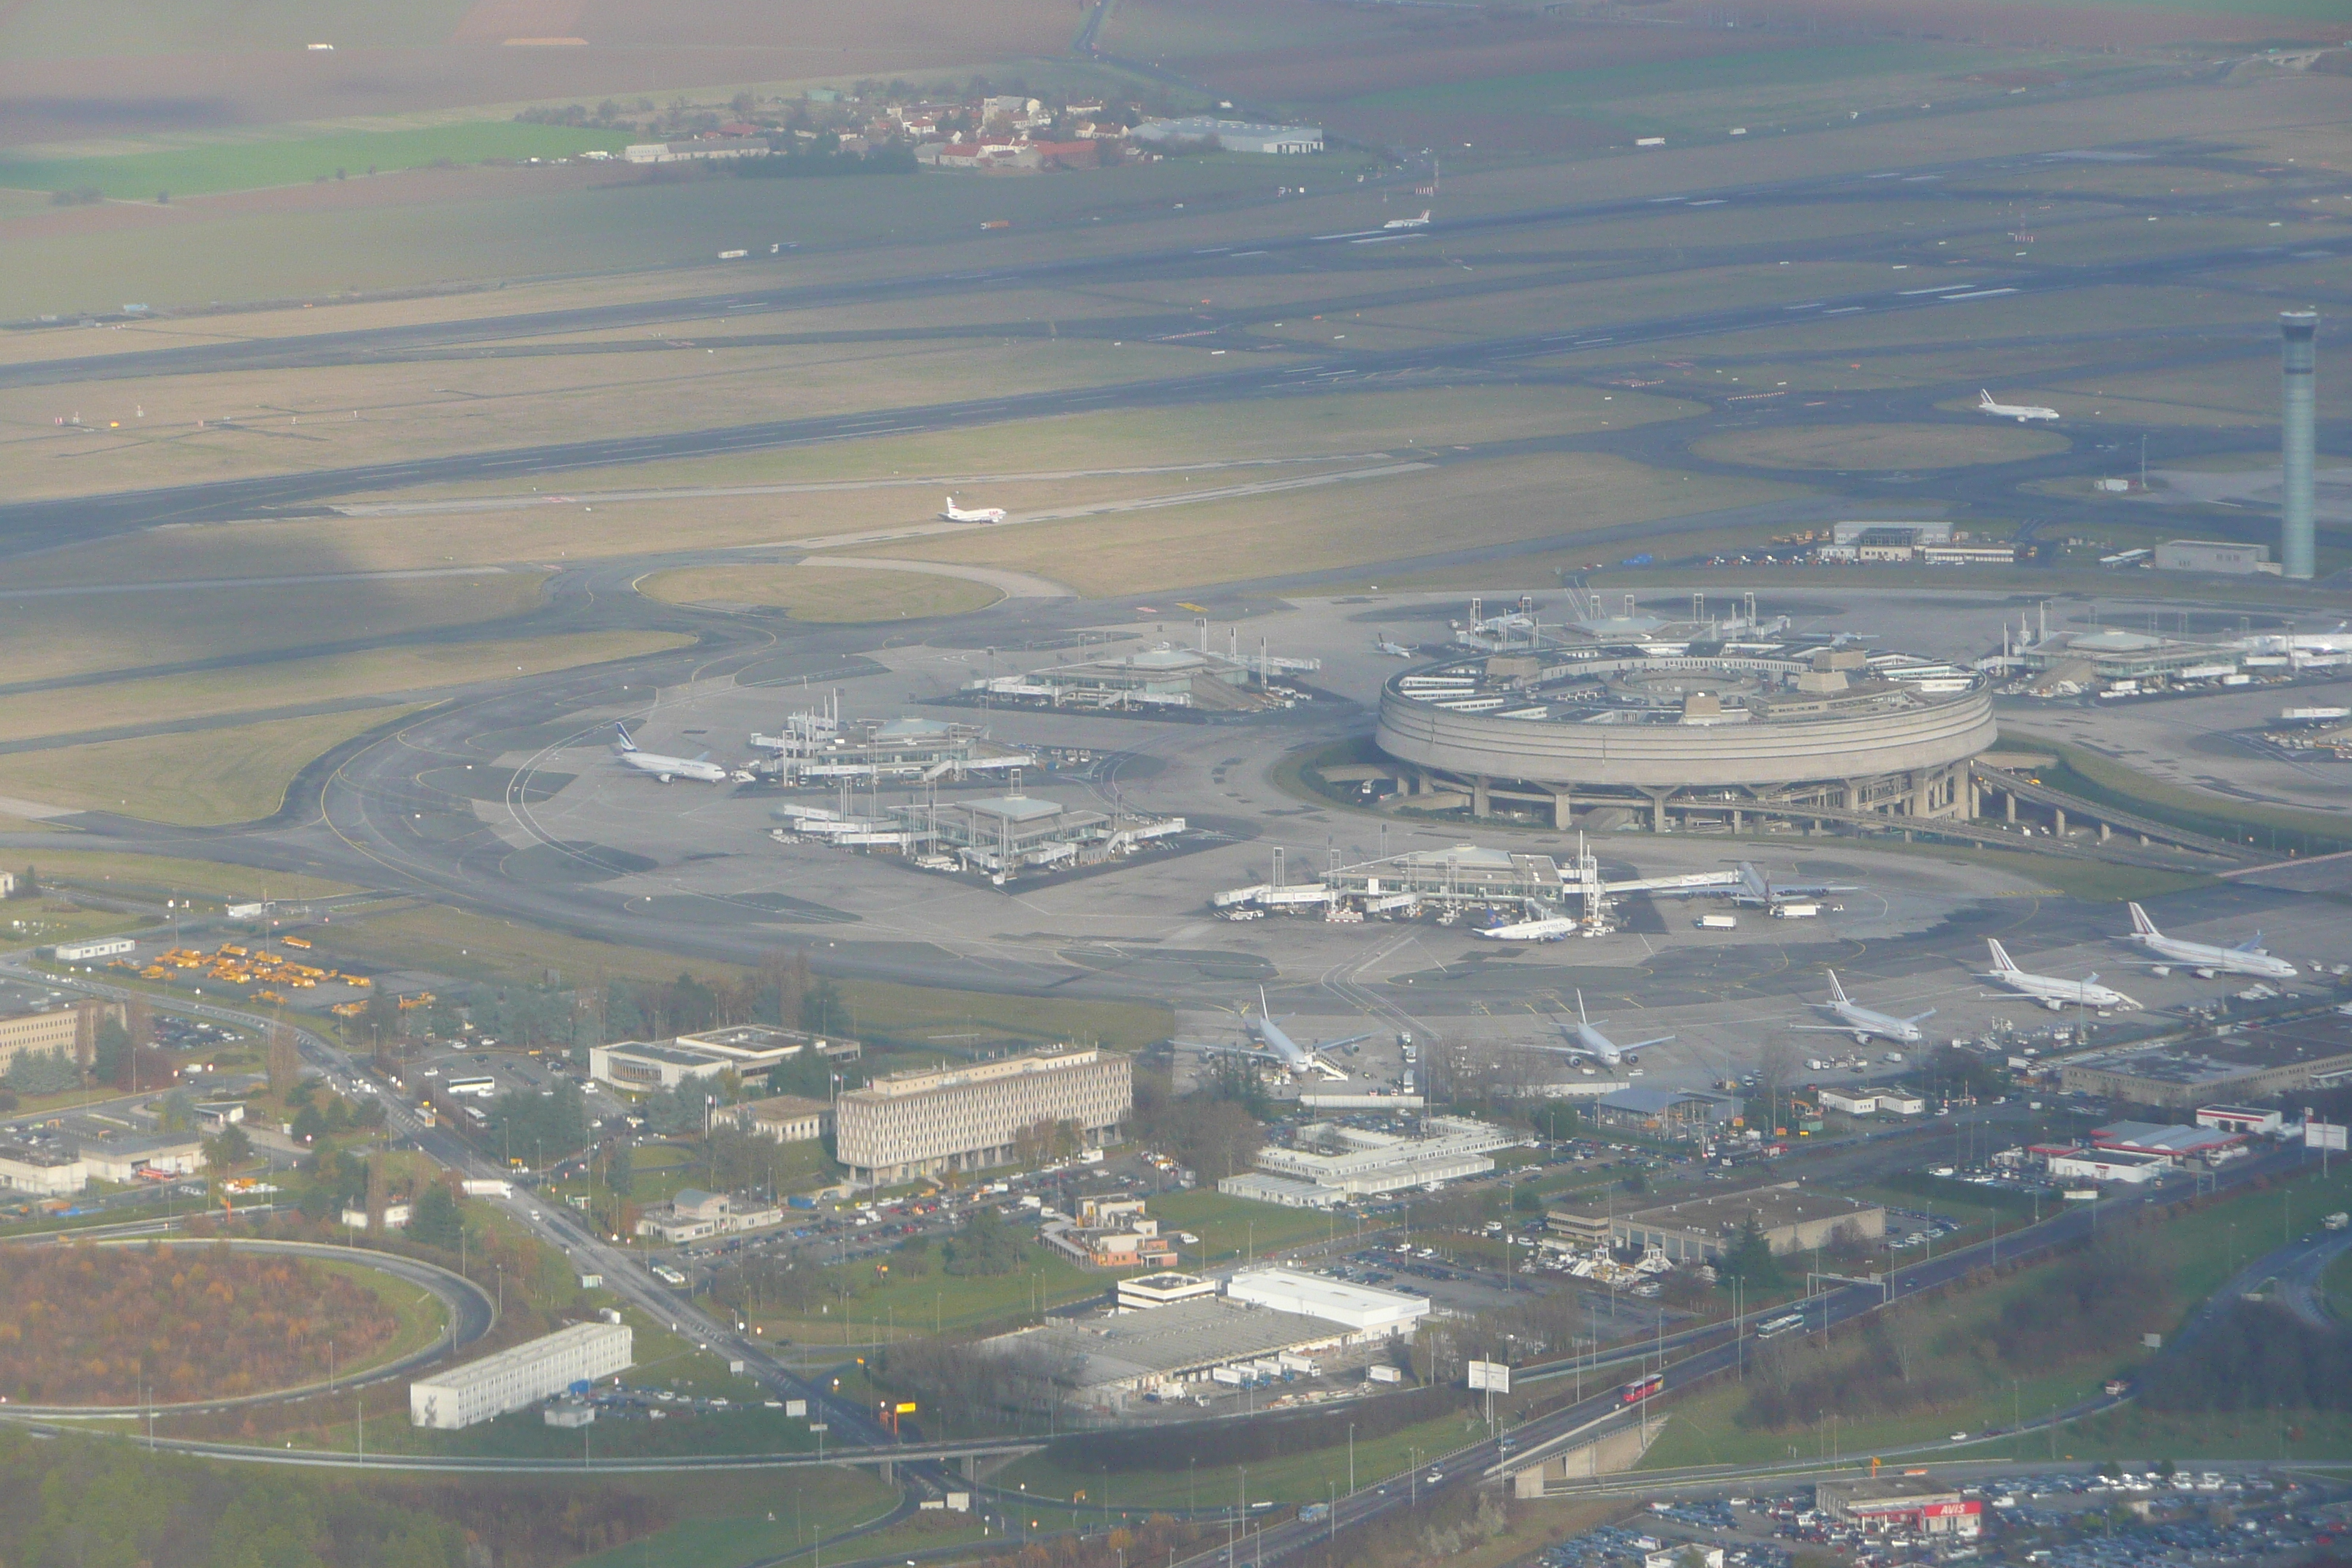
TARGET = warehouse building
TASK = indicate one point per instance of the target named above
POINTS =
(969, 1118)
(1363, 1307)
(2073, 1163)
(2266, 1060)
(1233, 135)
(2164, 1140)
(2214, 555)
(520, 1376)
(121, 1156)
(1206, 1340)
(48, 1171)
(1791, 1218)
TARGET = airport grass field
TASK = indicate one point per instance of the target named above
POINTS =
(203, 777)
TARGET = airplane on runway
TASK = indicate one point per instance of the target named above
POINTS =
(1277, 1047)
(1554, 928)
(2021, 412)
(698, 769)
(1861, 1022)
(2052, 991)
(1589, 1042)
(955, 513)
(2249, 957)
(1421, 222)
(1380, 643)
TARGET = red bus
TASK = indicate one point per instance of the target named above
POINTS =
(1641, 1388)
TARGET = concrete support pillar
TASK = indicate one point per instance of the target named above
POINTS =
(1481, 804)
(1657, 809)
(889, 1473)
(972, 1467)
(2009, 799)
(1852, 798)
(2103, 833)
(1735, 819)
(1563, 808)
(2061, 817)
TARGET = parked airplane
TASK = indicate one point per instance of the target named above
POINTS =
(1757, 890)
(1861, 1022)
(2249, 957)
(698, 769)
(1277, 1047)
(1590, 1041)
(955, 513)
(2052, 991)
(1421, 222)
(1380, 643)
(1555, 928)
(2021, 412)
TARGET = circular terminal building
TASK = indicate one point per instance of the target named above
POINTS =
(1688, 723)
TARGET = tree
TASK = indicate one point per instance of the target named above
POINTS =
(110, 1055)
(284, 1059)
(1749, 1260)
(379, 1194)
(29, 884)
(433, 1219)
(226, 1150)
(983, 1245)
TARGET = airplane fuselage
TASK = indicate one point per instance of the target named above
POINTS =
(1865, 1023)
(2221, 959)
(2054, 992)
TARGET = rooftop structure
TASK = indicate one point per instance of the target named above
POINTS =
(1361, 1307)
(1792, 1219)
(746, 1049)
(1677, 1114)
(2170, 1141)
(1366, 1163)
(1695, 719)
(520, 1376)
(969, 1118)
(818, 747)
(1144, 1292)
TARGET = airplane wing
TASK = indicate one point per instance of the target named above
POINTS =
(2252, 944)
(1348, 1040)
(1264, 1056)
(1644, 1044)
(1829, 1029)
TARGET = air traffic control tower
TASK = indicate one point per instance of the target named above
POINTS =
(2299, 355)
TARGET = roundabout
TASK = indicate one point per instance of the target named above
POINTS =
(464, 1310)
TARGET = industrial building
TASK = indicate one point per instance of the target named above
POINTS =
(1916, 1504)
(1682, 1115)
(45, 1169)
(969, 1118)
(1165, 680)
(1233, 135)
(1363, 1307)
(2261, 1062)
(1680, 723)
(708, 147)
(121, 1156)
(97, 947)
(2165, 1141)
(2073, 1163)
(2214, 555)
(785, 1118)
(2250, 1119)
(1791, 1218)
(745, 1050)
(1339, 1163)
(520, 1376)
(1145, 1293)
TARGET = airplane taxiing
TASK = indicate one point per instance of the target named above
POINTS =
(955, 513)
(1588, 1041)
(2249, 957)
(1276, 1048)
(2054, 992)
(1861, 1022)
(698, 769)
(1552, 928)
(1421, 222)
(1757, 890)
(2024, 412)
(1382, 643)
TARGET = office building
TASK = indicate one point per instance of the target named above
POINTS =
(748, 1050)
(520, 1376)
(1792, 1219)
(968, 1117)
(786, 1118)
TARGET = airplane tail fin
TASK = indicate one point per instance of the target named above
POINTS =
(2141, 925)
(1580, 1007)
(2001, 959)
(1984, 397)
(1424, 215)
(1837, 992)
(2252, 943)
(622, 731)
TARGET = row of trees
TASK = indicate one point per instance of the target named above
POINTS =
(2259, 1356)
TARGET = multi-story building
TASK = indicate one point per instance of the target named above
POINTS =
(520, 1376)
(73, 1030)
(928, 1123)
(786, 1118)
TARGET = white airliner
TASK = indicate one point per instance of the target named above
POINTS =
(699, 769)
(1277, 1047)
(1861, 1022)
(1554, 928)
(1590, 1041)
(2024, 412)
(1381, 643)
(2052, 991)
(1421, 222)
(2249, 957)
(955, 513)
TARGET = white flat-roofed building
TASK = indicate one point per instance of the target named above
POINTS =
(1234, 135)
(1144, 1291)
(1362, 1307)
(119, 1159)
(748, 1050)
(2108, 1165)
(520, 1376)
(914, 1124)
(95, 947)
(1367, 1162)
(1285, 1192)
(2253, 1121)
(51, 1172)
